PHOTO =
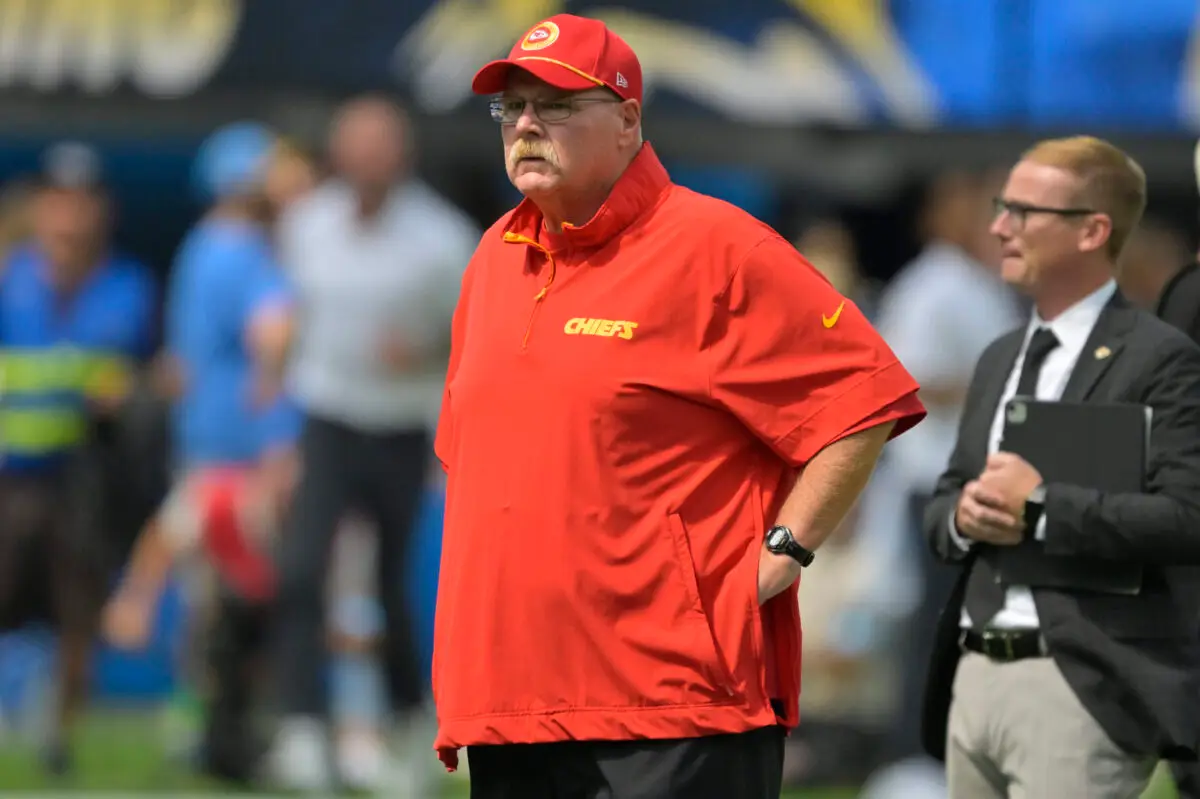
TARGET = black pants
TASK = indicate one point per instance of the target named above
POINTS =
(236, 645)
(1187, 779)
(743, 766)
(381, 475)
(53, 566)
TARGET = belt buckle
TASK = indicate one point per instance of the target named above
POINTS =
(998, 635)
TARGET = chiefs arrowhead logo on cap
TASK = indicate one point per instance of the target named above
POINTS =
(542, 35)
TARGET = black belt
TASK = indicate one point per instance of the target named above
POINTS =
(1005, 645)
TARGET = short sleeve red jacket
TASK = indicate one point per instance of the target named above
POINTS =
(628, 403)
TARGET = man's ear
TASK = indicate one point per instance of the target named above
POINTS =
(1095, 232)
(631, 117)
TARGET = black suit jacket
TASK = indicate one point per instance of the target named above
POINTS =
(1132, 661)
(1179, 304)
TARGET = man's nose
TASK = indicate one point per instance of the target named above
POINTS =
(1000, 226)
(528, 124)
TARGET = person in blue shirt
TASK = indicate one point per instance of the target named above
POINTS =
(232, 432)
(77, 320)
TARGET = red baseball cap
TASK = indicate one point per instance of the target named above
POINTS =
(570, 53)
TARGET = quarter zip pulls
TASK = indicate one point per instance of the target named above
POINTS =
(551, 266)
(643, 185)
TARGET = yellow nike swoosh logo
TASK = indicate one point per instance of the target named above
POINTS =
(830, 321)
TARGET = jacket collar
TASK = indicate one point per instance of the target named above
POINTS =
(636, 192)
(1105, 342)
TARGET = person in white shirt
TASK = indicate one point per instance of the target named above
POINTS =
(376, 258)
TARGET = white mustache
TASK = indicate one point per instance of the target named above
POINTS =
(526, 150)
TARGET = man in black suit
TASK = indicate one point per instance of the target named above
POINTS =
(1174, 295)
(1049, 692)
(1179, 305)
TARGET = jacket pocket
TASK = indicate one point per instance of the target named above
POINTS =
(759, 518)
(708, 648)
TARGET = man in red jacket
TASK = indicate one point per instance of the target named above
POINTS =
(656, 410)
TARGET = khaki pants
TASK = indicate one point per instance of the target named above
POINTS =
(1018, 730)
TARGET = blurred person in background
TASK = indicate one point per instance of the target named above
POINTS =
(1157, 271)
(292, 173)
(938, 313)
(77, 321)
(376, 258)
(1160, 275)
(358, 694)
(356, 630)
(16, 224)
(829, 245)
(233, 438)
(846, 679)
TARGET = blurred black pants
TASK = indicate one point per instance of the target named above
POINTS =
(383, 476)
(236, 648)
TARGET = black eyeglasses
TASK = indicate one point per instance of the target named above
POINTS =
(1020, 211)
(507, 110)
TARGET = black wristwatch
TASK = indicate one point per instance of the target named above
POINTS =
(1035, 506)
(781, 542)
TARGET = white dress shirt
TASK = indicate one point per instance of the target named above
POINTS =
(360, 282)
(1072, 328)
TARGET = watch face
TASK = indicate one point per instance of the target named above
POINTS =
(777, 538)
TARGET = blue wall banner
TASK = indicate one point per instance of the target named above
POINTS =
(911, 64)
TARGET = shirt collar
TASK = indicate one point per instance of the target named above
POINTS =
(1073, 326)
(636, 192)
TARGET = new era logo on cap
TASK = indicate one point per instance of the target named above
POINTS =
(621, 81)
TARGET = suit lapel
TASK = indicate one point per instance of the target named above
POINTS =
(1105, 342)
(997, 375)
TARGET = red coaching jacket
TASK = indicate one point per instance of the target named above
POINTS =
(628, 403)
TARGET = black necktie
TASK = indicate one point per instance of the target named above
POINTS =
(985, 590)
(1041, 345)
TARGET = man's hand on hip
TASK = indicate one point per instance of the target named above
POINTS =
(982, 516)
(775, 574)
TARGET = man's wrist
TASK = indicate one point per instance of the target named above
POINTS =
(1034, 509)
(780, 540)
(961, 541)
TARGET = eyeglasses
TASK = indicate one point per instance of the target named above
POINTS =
(1020, 211)
(507, 110)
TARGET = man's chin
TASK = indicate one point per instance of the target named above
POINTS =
(534, 184)
(1015, 271)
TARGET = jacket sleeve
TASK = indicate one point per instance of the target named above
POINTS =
(941, 507)
(796, 362)
(1162, 525)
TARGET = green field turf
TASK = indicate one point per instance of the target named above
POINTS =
(119, 755)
